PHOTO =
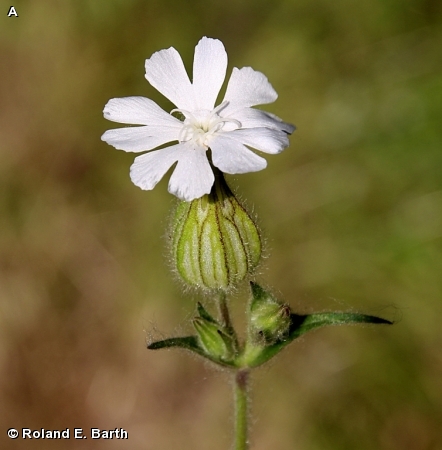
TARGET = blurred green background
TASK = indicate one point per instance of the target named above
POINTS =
(352, 215)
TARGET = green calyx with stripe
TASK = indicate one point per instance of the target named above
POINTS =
(215, 243)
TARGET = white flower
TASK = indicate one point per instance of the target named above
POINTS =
(227, 129)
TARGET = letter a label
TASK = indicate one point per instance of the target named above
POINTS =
(12, 12)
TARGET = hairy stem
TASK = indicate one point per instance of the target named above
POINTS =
(224, 310)
(241, 410)
(225, 318)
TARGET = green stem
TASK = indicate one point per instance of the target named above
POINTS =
(241, 410)
(224, 310)
(225, 317)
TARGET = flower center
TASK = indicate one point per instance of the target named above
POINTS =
(199, 126)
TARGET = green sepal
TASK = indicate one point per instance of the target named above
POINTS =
(255, 355)
(214, 241)
(204, 314)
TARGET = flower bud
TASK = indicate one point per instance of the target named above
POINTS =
(214, 341)
(269, 319)
(215, 243)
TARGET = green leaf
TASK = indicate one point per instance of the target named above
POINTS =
(301, 324)
(188, 343)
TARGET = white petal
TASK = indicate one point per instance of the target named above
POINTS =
(230, 156)
(148, 169)
(256, 118)
(247, 87)
(263, 139)
(165, 72)
(139, 139)
(193, 176)
(138, 111)
(209, 71)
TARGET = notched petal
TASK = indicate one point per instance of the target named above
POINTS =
(165, 72)
(248, 87)
(232, 157)
(263, 139)
(148, 169)
(193, 177)
(139, 139)
(138, 111)
(209, 71)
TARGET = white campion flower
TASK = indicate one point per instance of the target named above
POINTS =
(227, 129)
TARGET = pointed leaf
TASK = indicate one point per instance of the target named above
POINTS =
(188, 343)
(301, 324)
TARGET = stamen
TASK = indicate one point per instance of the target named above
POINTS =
(186, 133)
(199, 127)
(228, 119)
(220, 107)
(220, 121)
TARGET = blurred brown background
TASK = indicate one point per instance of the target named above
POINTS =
(352, 213)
